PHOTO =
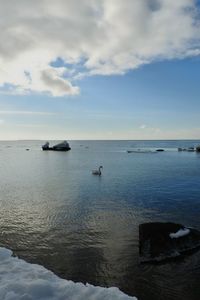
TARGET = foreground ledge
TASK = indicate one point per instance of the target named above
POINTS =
(20, 280)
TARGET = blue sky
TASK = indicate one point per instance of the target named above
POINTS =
(146, 89)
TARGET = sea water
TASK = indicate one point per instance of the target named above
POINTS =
(84, 228)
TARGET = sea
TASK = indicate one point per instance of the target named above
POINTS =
(84, 228)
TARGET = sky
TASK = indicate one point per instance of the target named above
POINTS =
(99, 69)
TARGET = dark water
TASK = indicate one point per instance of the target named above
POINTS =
(85, 228)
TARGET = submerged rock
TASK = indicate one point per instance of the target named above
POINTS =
(159, 241)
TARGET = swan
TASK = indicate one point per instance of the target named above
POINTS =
(97, 172)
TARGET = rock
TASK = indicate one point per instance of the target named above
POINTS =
(64, 146)
(160, 241)
(198, 148)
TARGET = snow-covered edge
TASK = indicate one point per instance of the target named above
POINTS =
(20, 280)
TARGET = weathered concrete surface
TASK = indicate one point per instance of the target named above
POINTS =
(155, 243)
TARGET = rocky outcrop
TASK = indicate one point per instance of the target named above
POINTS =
(198, 148)
(64, 146)
(160, 241)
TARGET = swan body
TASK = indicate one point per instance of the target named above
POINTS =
(97, 172)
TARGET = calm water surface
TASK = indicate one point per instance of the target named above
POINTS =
(54, 212)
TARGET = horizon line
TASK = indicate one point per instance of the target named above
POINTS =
(18, 140)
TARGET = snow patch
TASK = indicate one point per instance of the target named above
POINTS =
(179, 233)
(20, 280)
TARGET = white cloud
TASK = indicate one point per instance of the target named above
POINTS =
(56, 85)
(102, 36)
(150, 130)
(143, 126)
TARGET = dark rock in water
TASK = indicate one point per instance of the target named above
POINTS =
(198, 148)
(64, 146)
(160, 241)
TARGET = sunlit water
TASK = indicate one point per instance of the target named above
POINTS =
(83, 227)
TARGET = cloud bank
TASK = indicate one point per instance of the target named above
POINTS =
(26, 112)
(46, 45)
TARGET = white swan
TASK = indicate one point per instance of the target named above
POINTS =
(97, 172)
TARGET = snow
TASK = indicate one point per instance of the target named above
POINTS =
(179, 233)
(20, 280)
